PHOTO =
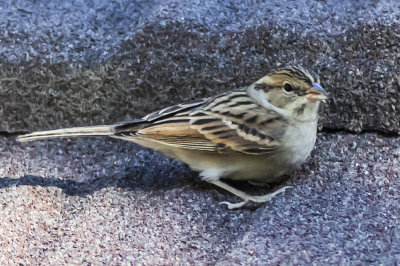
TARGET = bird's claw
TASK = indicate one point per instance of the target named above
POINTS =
(255, 199)
(233, 205)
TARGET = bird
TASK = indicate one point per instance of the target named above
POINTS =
(256, 133)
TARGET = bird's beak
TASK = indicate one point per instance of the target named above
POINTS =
(316, 93)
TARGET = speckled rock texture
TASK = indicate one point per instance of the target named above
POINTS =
(70, 63)
(94, 202)
(99, 201)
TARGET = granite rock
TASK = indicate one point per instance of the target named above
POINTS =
(68, 63)
(104, 201)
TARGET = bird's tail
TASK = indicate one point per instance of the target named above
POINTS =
(105, 130)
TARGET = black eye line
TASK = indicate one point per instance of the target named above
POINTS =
(295, 89)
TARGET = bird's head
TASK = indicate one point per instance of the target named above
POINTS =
(292, 89)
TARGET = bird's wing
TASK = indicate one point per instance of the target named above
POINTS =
(231, 121)
(175, 110)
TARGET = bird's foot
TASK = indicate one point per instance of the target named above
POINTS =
(233, 205)
(246, 197)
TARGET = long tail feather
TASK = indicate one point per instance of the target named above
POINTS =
(68, 132)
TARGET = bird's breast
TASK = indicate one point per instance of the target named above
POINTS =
(299, 141)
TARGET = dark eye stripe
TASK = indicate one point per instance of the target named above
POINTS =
(265, 87)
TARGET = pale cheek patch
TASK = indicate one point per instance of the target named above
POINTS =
(262, 98)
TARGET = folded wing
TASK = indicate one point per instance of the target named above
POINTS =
(232, 121)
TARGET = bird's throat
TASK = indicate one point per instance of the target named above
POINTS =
(305, 112)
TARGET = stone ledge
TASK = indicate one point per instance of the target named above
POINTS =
(101, 62)
(106, 201)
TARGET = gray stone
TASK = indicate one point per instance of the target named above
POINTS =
(105, 201)
(96, 62)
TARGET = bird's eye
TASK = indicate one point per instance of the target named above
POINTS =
(288, 87)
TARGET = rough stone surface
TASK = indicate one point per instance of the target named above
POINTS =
(102, 201)
(70, 63)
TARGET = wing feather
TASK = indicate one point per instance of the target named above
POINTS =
(237, 122)
(231, 121)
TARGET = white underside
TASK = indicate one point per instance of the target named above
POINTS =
(238, 166)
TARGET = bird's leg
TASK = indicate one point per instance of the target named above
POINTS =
(246, 197)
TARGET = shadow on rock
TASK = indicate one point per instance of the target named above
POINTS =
(145, 182)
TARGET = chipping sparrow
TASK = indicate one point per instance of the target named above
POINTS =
(256, 133)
